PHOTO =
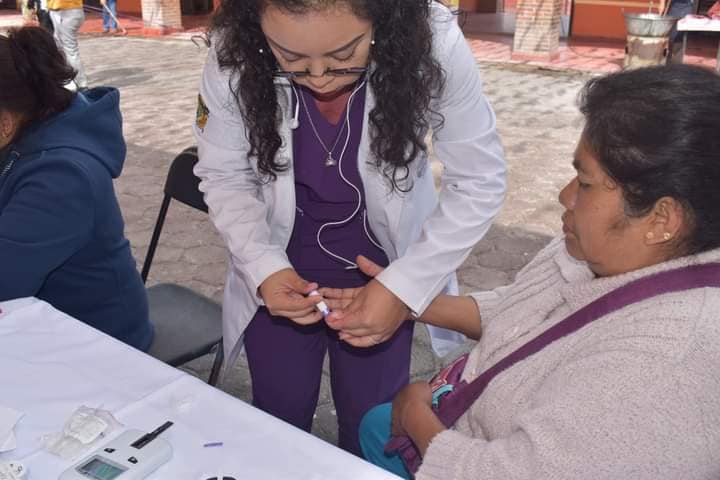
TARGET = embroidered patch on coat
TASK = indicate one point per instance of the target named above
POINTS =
(202, 114)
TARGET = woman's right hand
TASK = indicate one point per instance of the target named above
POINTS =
(285, 295)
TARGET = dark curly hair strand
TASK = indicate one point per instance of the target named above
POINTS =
(405, 77)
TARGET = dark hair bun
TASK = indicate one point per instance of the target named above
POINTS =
(40, 67)
(38, 58)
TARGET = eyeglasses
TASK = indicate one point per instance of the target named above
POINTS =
(333, 72)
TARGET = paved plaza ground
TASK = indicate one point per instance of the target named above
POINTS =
(158, 79)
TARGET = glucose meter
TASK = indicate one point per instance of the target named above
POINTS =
(132, 456)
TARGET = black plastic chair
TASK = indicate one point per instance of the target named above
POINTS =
(187, 324)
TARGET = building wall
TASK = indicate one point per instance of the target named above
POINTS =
(131, 7)
(604, 18)
(478, 6)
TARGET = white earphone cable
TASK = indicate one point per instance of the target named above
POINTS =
(350, 264)
(295, 120)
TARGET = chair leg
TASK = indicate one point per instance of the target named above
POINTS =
(155, 237)
(217, 364)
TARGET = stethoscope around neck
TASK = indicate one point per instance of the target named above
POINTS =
(294, 124)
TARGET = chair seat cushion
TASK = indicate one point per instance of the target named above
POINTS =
(187, 324)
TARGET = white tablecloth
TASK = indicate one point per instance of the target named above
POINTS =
(698, 23)
(50, 364)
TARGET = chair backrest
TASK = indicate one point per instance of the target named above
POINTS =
(182, 185)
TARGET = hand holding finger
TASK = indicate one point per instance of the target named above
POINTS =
(362, 342)
(337, 305)
(309, 319)
(292, 314)
(339, 293)
(285, 291)
(368, 267)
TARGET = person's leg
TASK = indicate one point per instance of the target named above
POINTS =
(56, 19)
(374, 433)
(364, 377)
(678, 9)
(45, 21)
(106, 19)
(67, 23)
(285, 362)
(112, 5)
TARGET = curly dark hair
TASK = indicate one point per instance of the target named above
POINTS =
(34, 73)
(406, 77)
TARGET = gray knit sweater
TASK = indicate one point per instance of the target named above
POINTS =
(634, 395)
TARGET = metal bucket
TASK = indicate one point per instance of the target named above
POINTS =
(649, 24)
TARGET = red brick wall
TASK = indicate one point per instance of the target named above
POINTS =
(537, 28)
(161, 16)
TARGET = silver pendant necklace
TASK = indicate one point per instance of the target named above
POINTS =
(329, 159)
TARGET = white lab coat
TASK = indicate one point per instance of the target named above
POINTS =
(425, 240)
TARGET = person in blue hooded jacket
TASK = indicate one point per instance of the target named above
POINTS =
(61, 229)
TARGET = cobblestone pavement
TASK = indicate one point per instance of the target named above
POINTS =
(158, 79)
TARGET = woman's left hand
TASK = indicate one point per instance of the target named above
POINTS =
(411, 398)
(371, 314)
(412, 415)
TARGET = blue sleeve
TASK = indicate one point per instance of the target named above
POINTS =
(49, 217)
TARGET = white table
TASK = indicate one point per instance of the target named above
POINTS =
(697, 23)
(50, 364)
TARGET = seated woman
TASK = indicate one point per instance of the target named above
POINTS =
(61, 230)
(633, 394)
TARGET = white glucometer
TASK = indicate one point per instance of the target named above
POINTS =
(132, 456)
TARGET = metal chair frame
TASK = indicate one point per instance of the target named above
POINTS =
(182, 185)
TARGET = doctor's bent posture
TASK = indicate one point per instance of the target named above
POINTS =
(311, 126)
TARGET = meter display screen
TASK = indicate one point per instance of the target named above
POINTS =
(98, 469)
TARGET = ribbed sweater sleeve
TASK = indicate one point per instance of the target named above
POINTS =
(622, 406)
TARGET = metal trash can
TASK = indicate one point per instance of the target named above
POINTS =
(648, 35)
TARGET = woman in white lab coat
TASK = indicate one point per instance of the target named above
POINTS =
(311, 128)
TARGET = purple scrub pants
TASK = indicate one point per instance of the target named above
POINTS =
(286, 366)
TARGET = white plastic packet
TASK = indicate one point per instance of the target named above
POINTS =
(85, 427)
(8, 419)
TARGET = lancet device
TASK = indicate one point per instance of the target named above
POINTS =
(320, 306)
